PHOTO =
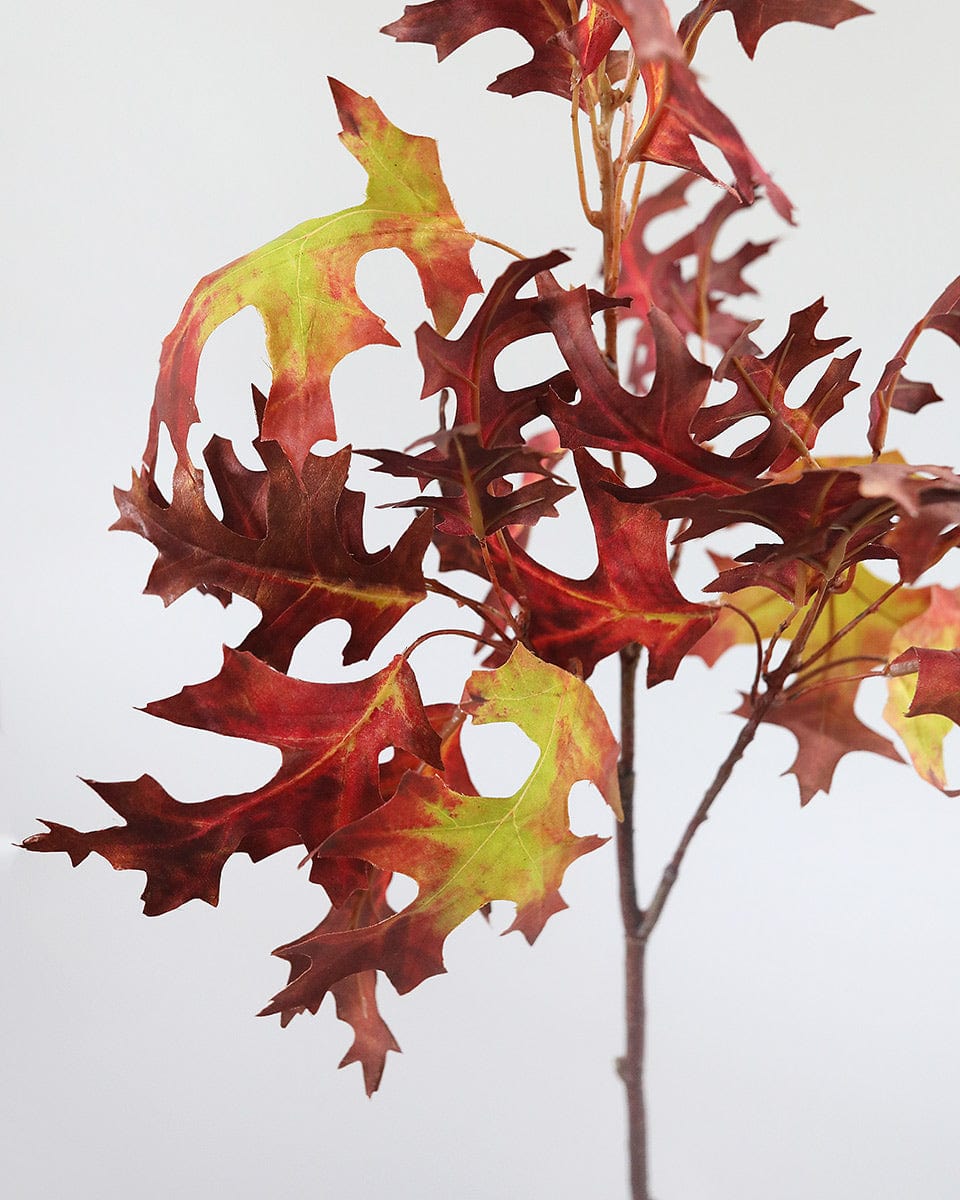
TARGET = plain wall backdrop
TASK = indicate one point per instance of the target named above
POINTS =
(805, 980)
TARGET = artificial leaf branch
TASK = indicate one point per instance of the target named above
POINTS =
(290, 538)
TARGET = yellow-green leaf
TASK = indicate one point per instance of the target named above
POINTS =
(303, 286)
(465, 851)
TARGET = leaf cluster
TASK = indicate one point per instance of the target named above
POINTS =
(374, 782)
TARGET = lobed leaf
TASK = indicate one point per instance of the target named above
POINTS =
(753, 18)
(293, 546)
(303, 285)
(630, 596)
(330, 736)
(465, 850)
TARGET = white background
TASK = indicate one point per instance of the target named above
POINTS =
(805, 979)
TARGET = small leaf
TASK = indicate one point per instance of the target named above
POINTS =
(922, 708)
(754, 17)
(893, 391)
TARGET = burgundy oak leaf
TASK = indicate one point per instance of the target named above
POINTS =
(449, 24)
(630, 597)
(692, 299)
(293, 546)
(356, 995)
(330, 736)
(466, 365)
(659, 426)
(753, 18)
(476, 497)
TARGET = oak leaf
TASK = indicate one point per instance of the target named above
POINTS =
(476, 498)
(753, 18)
(449, 24)
(465, 850)
(683, 113)
(303, 285)
(691, 299)
(330, 736)
(466, 365)
(629, 597)
(293, 546)
(818, 708)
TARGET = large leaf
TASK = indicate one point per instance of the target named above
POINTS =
(303, 285)
(465, 850)
(330, 735)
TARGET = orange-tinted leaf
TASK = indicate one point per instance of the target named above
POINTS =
(826, 728)
(819, 709)
(330, 736)
(303, 285)
(922, 705)
(464, 850)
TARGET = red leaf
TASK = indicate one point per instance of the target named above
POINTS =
(649, 27)
(656, 279)
(356, 995)
(684, 113)
(630, 597)
(754, 17)
(466, 365)
(330, 736)
(938, 682)
(448, 24)
(308, 564)
(893, 391)
(826, 728)
(476, 498)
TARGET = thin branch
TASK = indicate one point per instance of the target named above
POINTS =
(851, 625)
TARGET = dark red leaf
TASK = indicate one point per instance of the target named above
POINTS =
(630, 597)
(476, 498)
(307, 566)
